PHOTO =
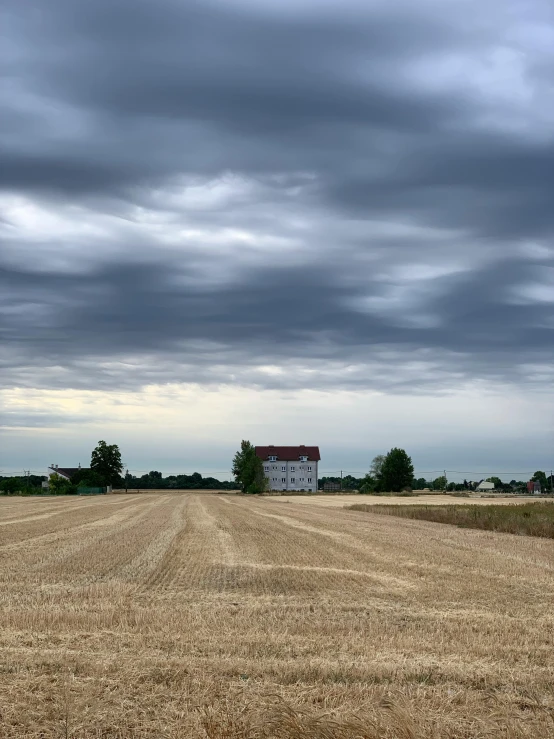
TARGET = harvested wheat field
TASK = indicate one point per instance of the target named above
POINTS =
(185, 615)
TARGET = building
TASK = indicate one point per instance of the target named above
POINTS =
(65, 472)
(485, 486)
(331, 487)
(290, 467)
(534, 487)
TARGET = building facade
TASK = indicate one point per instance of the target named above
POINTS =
(290, 467)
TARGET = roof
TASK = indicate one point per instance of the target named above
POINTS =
(486, 485)
(289, 453)
(67, 471)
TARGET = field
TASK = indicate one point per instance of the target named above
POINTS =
(345, 500)
(196, 615)
(527, 519)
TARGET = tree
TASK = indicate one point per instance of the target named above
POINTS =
(497, 482)
(368, 484)
(11, 485)
(397, 471)
(106, 461)
(439, 483)
(58, 485)
(377, 466)
(248, 469)
(87, 479)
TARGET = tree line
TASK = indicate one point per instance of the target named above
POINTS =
(154, 480)
(391, 472)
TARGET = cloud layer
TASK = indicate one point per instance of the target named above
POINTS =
(277, 195)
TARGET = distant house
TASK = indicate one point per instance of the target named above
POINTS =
(485, 486)
(65, 472)
(290, 467)
(331, 487)
(534, 487)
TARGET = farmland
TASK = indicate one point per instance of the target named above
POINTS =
(527, 518)
(221, 616)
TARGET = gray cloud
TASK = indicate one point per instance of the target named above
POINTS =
(350, 146)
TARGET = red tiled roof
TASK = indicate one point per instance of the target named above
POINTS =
(289, 453)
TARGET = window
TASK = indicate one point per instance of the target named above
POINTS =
(273, 459)
(292, 479)
(309, 469)
(283, 479)
(303, 459)
(292, 469)
(283, 468)
(309, 479)
(266, 469)
(274, 467)
(301, 479)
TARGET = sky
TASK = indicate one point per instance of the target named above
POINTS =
(289, 222)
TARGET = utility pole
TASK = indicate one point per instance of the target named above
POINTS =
(445, 481)
(341, 481)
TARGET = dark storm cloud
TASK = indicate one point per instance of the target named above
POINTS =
(341, 122)
(277, 316)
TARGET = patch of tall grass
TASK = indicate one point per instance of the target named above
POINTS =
(528, 519)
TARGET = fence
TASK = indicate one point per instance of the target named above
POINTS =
(92, 491)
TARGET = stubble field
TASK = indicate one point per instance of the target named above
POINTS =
(186, 615)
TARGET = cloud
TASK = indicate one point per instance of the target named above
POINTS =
(277, 196)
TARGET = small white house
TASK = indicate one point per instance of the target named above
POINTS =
(485, 486)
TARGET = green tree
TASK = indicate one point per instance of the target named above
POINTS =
(11, 485)
(397, 471)
(497, 482)
(368, 484)
(106, 462)
(248, 469)
(58, 485)
(87, 479)
(439, 483)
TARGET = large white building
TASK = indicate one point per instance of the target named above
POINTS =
(290, 467)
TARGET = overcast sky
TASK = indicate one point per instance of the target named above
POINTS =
(294, 222)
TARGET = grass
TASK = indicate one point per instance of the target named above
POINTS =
(190, 616)
(528, 519)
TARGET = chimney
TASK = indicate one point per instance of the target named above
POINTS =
(56, 466)
(79, 465)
